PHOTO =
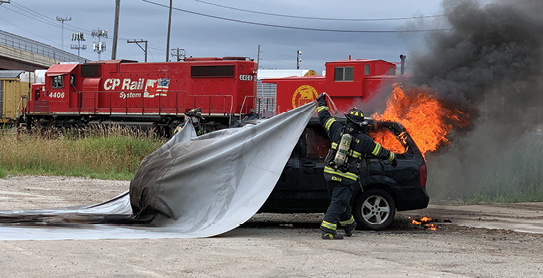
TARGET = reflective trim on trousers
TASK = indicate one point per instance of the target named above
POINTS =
(347, 222)
(329, 225)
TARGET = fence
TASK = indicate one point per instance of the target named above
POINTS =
(38, 48)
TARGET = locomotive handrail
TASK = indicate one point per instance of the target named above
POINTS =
(210, 96)
(269, 105)
(243, 104)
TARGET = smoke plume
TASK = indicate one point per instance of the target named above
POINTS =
(489, 67)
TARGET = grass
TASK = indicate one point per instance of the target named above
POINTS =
(511, 174)
(518, 178)
(103, 153)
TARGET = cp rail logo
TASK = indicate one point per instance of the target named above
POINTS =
(303, 95)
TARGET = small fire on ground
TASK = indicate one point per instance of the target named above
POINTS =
(427, 222)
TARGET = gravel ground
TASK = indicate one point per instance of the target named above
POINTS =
(273, 245)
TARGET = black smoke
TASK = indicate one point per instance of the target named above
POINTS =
(489, 65)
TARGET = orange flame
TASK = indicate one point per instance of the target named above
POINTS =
(387, 140)
(423, 116)
(425, 222)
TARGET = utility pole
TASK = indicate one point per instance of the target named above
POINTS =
(402, 59)
(78, 36)
(169, 30)
(138, 43)
(298, 59)
(258, 58)
(179, 52)
(116, 31)
(100, 46)
(62, 19)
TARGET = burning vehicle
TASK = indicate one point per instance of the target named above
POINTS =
(383, 189)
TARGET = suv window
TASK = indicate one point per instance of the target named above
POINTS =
(317, 143)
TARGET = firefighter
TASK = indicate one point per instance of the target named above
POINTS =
(349, 144)
(195, 115)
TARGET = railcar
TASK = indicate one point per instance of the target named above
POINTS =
(144, 94)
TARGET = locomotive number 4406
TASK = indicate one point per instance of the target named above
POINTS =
(243, 77)
(56, 95)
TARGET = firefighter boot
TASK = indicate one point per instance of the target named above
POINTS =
(348, 226)
(329, 231)
(327, 235)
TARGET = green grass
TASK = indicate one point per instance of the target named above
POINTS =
(113, 153)
(510, 174)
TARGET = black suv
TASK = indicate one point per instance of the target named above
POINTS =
(383, 188)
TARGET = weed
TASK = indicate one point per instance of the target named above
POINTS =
(107, 153)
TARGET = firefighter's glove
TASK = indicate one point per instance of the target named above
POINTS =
(321, 100)
(394, 162)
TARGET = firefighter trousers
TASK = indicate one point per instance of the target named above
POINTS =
(339, 208)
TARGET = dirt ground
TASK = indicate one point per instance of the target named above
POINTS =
(477, 242)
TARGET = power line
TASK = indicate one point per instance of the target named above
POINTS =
(295, 27)
(35, 18)
(45, 39)
(27, 12)
(320, 18)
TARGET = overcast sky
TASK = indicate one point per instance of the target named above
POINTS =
(213, 28)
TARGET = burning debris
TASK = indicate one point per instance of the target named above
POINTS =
(427, 223)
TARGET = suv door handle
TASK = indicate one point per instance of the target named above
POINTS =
(309, 164)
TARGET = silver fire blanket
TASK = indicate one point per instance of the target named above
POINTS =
(215, 182)
(192, 186)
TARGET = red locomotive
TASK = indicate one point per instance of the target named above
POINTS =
(348, 82)
(156, 94)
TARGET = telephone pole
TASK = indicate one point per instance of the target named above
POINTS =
(169, 29)
(298, 59)
(62, 19)
(116, 30)
(138, 43)
(179, 52)
(258, 58)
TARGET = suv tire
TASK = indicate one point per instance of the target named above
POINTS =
(374, 209)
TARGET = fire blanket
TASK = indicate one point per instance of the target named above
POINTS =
(190, 187)
(215, 182)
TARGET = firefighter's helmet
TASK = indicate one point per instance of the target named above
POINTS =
(356, 116)
(196, 112)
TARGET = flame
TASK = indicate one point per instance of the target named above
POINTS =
(425, 222)
(427, 120)
(387, 140)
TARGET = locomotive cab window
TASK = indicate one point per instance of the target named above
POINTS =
(366, 69)
(57, 81)
(343, 74)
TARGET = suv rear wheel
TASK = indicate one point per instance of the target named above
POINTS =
(374, 209)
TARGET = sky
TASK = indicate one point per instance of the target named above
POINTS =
(322, 30)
